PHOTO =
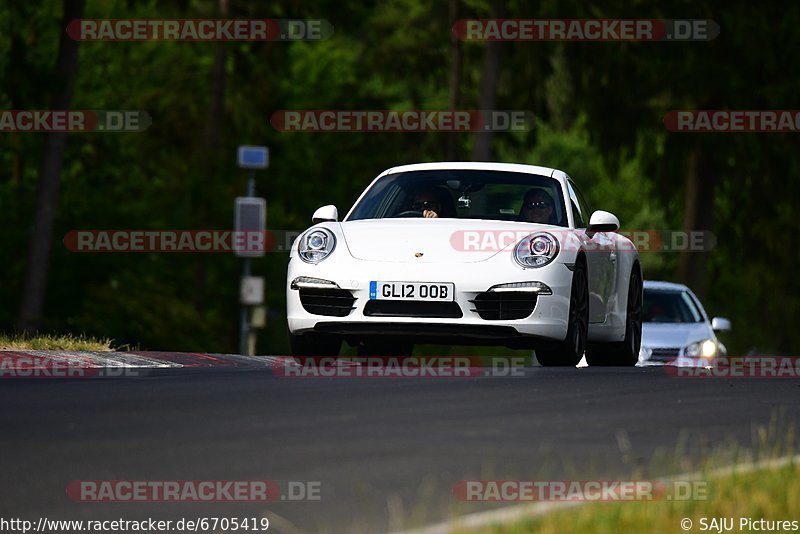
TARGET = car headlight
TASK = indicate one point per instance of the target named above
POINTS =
(316, 245)
(536, 250)
(702, 349)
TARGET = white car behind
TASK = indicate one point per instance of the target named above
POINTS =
(676, 329)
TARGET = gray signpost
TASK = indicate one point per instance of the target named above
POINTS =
(250, 220)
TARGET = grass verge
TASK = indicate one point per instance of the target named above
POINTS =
(54, 342)
(742, 499)
(720, 479)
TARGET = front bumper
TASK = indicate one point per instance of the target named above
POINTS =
(462, 322)
(658, 356)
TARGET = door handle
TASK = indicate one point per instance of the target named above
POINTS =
(613, 257)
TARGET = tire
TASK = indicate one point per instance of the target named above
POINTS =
(626, 352)
(314, 347)
(569, 352)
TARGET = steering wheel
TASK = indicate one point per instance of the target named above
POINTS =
(410, 213)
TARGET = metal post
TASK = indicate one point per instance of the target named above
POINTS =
(251, 183)
(243, 326)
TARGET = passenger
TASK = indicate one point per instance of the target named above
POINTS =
(538, 207)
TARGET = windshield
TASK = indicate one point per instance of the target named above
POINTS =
(465, 194)
(661, 306)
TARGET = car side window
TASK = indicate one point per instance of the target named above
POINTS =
(581, 217)
(584, 206)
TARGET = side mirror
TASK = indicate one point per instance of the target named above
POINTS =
(325, 214)
(602, 221)
(720, 324)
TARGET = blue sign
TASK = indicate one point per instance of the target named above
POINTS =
(253, 157)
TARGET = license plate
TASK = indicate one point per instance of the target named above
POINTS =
(436, 291)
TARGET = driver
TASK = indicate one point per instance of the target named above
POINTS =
(429, 202)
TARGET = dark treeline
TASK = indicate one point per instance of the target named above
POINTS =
(598, 109)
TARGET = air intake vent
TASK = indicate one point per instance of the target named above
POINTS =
(504, 306)
(331, 302)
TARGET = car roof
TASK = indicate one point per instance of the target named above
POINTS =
(471, 165)
(666, 286)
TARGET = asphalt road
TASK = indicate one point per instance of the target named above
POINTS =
(386, 452)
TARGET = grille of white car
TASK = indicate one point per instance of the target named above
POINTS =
(410, 308)
(665, 354)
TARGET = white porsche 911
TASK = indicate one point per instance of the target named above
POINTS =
(467, 254)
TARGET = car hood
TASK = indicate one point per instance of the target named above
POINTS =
(432, 240)
(665, 335)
